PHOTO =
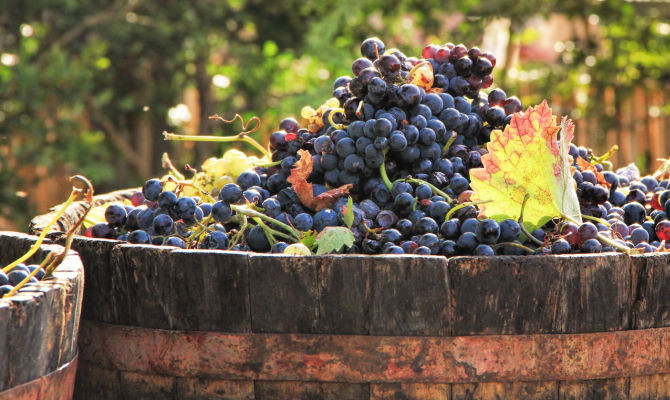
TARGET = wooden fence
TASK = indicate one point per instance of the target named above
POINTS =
(636, 122)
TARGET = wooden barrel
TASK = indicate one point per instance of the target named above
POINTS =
(38, 327)
(166, 323)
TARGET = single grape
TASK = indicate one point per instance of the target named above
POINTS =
(303, 222)
(561, 246)
(483, 250)
(250, 178)
(371, 48)
(139, 237)
(163, 224)
(512, 105)
(488, 231)
(591, 246)
(102, 231)
(15, 276)
(151, 189)
(4, 289)
(215, 240)
(466, 243)
(175, 241)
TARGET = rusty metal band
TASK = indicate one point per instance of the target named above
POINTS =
(57, 385)
(343, 358)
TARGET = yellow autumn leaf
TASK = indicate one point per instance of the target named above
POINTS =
(526, 158)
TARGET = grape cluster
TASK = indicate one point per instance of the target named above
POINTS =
(403, 132)
(17, 275)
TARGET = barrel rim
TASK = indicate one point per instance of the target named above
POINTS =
(62, 273)
(40, 322)
(56, 385)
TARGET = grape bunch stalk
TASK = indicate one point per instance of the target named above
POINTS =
(16, 275)
(389, 156)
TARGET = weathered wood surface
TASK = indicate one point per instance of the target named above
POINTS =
(383, 359)
(39, 325)
(56, 385)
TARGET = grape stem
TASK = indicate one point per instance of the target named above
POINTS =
(523, 228)
(330, 118)
(604, 157)
(601, 237)
(449, 143)
(27, 279)
(40, 239)
(267, 165)
(239, 233)
(198, 232)
(519, 245)
(432, 187)
(600, 220)
(167, 164)
(252, 213)
(382, 172)
(267, 231)
(240, 137)
(458, 207)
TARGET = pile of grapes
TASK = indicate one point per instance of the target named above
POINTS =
(401, 135)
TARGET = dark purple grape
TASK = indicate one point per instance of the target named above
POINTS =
(482, 67)
(290, 125)
(359, 65)
(457, 52)
(561, 246)
(151, 189)
(488, 231)
(371, 48)
(512, 105)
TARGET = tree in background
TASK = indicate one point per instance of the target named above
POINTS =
(88, 89)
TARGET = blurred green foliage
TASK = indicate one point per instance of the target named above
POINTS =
(92, 82)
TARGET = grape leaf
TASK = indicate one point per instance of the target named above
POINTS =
(523, 159)
(333, 238)
(348, 213)
(586, 166)
(308, 238)
(298, 179)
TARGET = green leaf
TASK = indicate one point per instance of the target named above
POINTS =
(333, 238)
(308, 238)
(348, 213)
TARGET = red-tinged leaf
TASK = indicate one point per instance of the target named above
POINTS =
(298, 179)
(291, 136)
(526, 158)
(586, 166)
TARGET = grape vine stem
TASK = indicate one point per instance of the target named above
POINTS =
(602, 237)
(240, 137)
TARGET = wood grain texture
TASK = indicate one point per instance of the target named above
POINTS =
(504, 390)
(653, 387)
(284, 293)
(651, 280)
(39, 325)
(296, 390)
(538, 294)
(56, 385)
(214, 389)
(410, 296)
(597, 389)
(410, 391)
(344, 295)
